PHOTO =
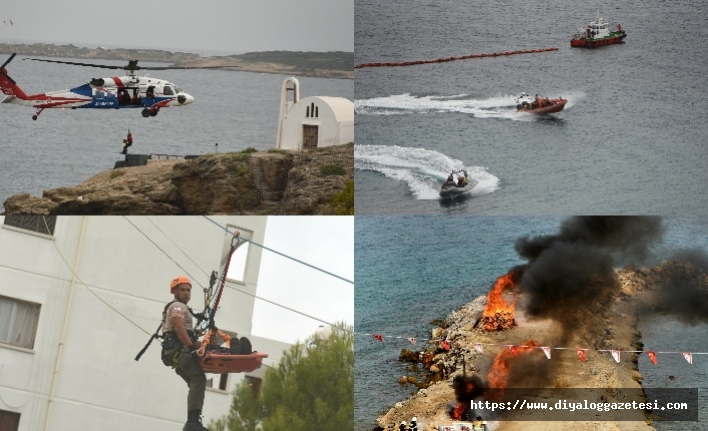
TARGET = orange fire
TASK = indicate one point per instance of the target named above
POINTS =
(498, 376)
(499, 314)
(459, 411)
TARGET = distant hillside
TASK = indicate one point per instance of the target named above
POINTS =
(338, 60)
(317, 64)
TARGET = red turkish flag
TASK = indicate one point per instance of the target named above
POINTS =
(652, 356)
(581, 355)
(378, 337)
(445, 345)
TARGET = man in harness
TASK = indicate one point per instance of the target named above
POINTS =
(179, 350)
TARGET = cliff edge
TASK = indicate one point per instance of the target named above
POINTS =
(303, 183)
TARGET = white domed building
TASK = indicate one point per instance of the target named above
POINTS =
(313, 122)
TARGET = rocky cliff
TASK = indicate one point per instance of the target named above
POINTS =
(305, 183)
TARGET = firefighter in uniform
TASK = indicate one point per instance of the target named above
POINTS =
(180, 347)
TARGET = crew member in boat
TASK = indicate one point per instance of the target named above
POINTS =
(180, 347)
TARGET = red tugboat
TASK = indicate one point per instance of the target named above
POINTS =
(598, 34)
(539, 104)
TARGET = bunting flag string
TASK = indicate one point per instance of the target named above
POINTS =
(580, 351)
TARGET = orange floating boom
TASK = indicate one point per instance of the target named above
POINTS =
(442, 60)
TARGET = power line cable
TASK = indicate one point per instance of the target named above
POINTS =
(283, 254)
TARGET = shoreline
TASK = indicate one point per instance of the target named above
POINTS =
(612, 327)
(309, 64)
(289, 182)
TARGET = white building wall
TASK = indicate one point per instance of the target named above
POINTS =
(335, 122)
(97, 384)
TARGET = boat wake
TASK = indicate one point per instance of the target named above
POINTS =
(502, 106)
(424, 171)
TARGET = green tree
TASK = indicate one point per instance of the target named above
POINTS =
(343, 202)
(311, 389)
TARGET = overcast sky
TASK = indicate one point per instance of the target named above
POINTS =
(213, 26)
(322, 241)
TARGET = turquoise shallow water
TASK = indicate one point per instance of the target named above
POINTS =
(411, 270)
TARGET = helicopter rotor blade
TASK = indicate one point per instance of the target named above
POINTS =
(2, 68)
(8, 60)
(189, 67)
(103, 66)
(131, 67)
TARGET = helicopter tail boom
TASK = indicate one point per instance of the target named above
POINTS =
(9, 87)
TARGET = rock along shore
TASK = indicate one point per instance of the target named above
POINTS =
(605, 327)
(305, 183)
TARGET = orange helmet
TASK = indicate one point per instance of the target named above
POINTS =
(179, 280)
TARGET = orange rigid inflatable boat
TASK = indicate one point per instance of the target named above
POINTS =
(539, 105)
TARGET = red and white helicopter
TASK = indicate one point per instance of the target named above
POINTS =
(116, 92)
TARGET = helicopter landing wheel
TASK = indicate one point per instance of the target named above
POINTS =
(153, 112)
(34, 117)
(146, 112)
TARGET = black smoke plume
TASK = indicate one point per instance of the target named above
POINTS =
(682, 289)
(468, 387)
(573, 269)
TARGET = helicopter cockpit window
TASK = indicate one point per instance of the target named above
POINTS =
(167, 91)
(178, 90)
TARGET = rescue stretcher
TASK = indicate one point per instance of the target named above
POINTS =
(236, 357)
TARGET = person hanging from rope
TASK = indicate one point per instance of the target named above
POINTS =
(127, 142)
(180, 350)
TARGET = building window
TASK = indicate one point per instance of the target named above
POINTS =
(307, 112)
(237, 268)
(9, 421)
(223, 382)
(317, 111)
(255, 383)
(18, 322)
(35, 223)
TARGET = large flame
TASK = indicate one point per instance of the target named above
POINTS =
(459, 411)
(499, 314)
(498, 377)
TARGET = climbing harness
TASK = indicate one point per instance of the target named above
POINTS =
(238, 355)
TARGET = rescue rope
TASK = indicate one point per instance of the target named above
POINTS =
(282, 254)
(194, 279)
(85, 285)
(479, 346)
(463, 57)
(223, 272)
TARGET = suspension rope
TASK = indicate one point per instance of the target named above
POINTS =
(163, 251)
(177, 246)
(224, 272)
(282, 306)
(86, 286)
(282, 254)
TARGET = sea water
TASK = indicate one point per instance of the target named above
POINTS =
(632, 139)
(64, 147)
(414, 269)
